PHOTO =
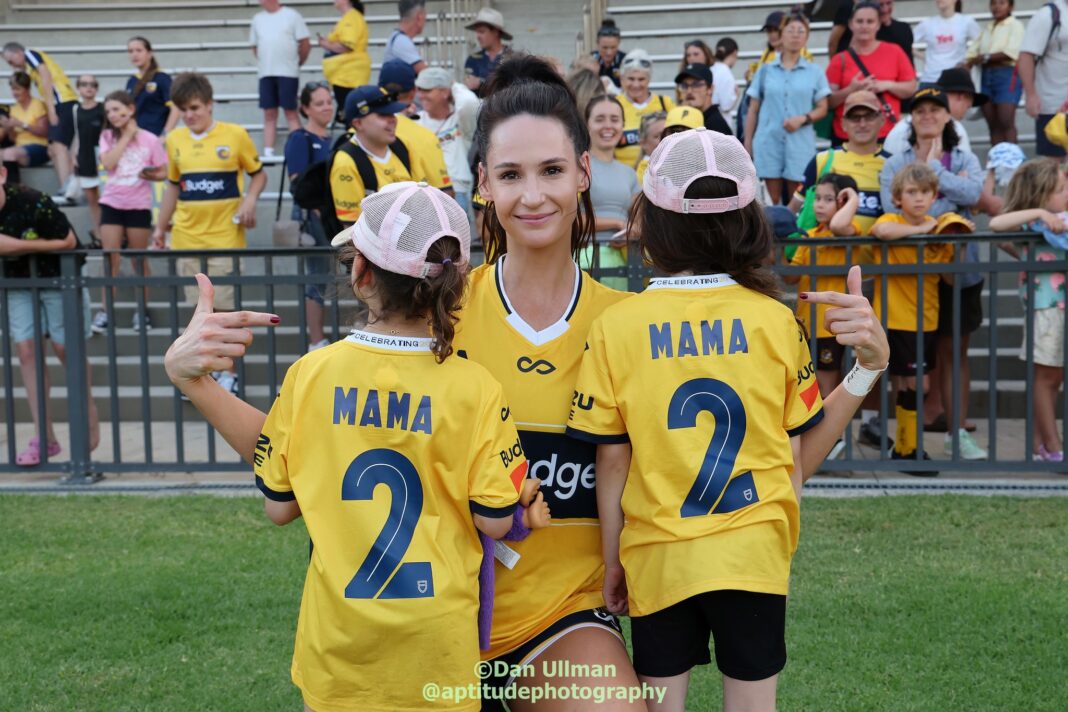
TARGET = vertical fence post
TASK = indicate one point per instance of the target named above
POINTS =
(72, 288)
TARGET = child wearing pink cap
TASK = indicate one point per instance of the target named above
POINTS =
(697, 392)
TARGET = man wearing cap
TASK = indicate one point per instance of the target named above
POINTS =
(962, 96)
(694, 84)
(398, 79)
(679, 119)
(400, 46)
(490, 35)
(372, 115)
(453, 125)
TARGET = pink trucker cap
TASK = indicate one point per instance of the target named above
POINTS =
(400, 222)
(682, 158)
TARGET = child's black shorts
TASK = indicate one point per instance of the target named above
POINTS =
(749, 630)
(903, 352)
(829, 354)
(971, 308)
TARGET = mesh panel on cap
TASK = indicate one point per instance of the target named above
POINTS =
(733, 161)
(457, 219)
(424, 222)
(684, 160)
(374, 212)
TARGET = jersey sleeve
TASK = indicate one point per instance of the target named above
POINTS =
(804, 406)
(346, 187)
(499, 465)
(173, 173)
(270, 462)
(248, 155)
(595, 415)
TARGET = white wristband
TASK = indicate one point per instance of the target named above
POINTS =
(860, 380)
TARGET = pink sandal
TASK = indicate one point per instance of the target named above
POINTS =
(32, 454)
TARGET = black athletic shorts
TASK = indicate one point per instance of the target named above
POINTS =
(903, 352)
(594, 617)
(829, 354)
(64, 131)
(126, 218)
(749, 630)
(971, 308)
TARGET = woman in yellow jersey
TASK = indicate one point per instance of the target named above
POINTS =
(390, 451)
(26, 125)
(703, 460)
(637, 101)
(346, 63)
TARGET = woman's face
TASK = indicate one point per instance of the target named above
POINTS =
(321, 106)
(18, 93)
(605, 124)
(929, 119)
(1000, 9)
(865, 24)
(534, 185)
(695, 55)
(608, 48)
(794, 36)
(945, 7)
(636, 85)
(118, 113)
(138, 54)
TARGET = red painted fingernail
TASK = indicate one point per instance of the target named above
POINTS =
(276, 320)
(803, 295)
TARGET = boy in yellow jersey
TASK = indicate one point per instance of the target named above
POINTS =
(914, 189)
(836, 210)
(372, 114)
(398, 78)
(206, 160)
(59, 97)
(695, 392)
(396, 456)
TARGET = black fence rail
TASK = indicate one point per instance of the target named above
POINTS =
(146, 427)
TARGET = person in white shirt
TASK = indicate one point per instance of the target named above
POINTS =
(947, 36)
(725, 90)
(280, 43)
(453, 122)
(1043, 70)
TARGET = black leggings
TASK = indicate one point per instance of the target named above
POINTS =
(339, 96)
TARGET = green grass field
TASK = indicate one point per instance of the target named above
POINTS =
(190, 603)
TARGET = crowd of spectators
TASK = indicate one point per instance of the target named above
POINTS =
(883, 120)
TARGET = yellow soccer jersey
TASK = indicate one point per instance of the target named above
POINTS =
(708, 380)
(208, 171)
(560, 569)
(388, 453)
(629, 151)
(825, 256)
(347, 186)
(428, 162)
(61, 87)
(902, 292)
(349, 69)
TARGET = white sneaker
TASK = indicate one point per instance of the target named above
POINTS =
(100, 323)
(318, 345)
(228, 381)
(969, 450)
(141, 322)
(268, 152)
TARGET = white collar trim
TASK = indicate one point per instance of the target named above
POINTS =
(390, 343)
(696, 281)
(528, 332)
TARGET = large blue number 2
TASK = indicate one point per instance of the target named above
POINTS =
(714, 491)
(395, 471)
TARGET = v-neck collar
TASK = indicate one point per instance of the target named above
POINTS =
(528, 332)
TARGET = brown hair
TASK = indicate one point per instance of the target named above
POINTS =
(738, 242)
(436, 298)
(710, 56)
(20, 79)
(189, 86)
(1032, 184)
(601, 99)
(917, 174)
(524, 84)
(123, 98)
(150, 71)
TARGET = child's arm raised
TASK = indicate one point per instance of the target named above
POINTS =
(842, 222)
(897, 231)
(1018, 218)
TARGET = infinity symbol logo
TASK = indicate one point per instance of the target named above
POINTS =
(541, 367)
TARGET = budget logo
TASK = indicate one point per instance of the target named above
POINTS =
(208, 186)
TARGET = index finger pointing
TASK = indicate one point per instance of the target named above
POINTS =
(242, 319)
(836, 299)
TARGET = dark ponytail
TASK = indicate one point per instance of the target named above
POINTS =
(525, 84)
(608, 28)
(738, 242)
(725, 48)
(150, 71)
(438, 298)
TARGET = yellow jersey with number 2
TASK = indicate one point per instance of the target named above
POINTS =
(388, 453)
(708, 380)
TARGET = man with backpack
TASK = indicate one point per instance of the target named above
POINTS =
(373, 156)
(1043, 70)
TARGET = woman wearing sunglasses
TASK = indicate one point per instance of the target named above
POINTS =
(637, 101)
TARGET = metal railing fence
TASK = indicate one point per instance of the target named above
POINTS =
(148, 428)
